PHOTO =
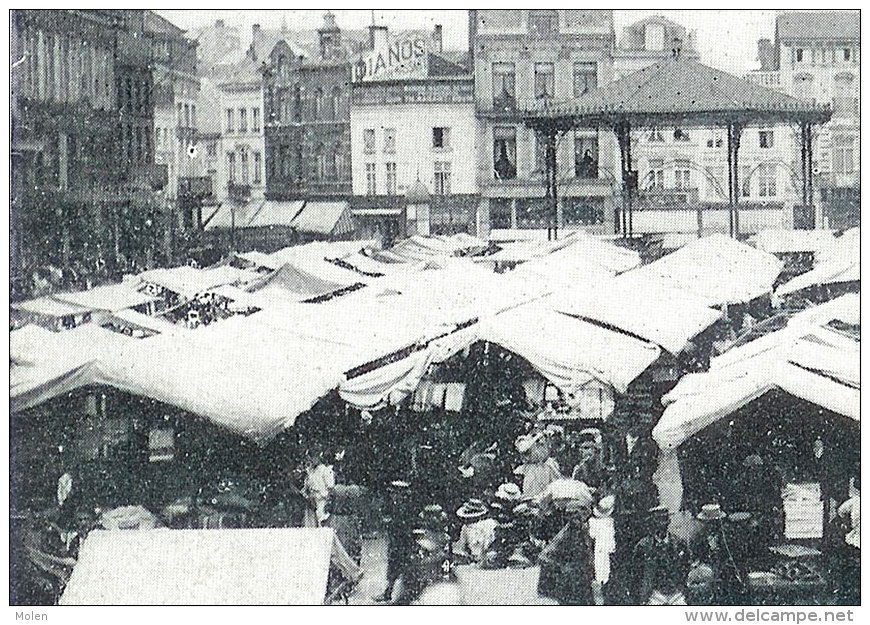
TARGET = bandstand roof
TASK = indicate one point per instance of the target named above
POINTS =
(677, 89)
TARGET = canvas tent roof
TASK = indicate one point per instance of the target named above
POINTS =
(49, 306)
(777, 241)
(293, 280)
(823, 372)
(111, 297)
(269, 566)
(570, 352)
(661, 315)
(840, 261)
(47, 364)
(188, 281)
(715, 270)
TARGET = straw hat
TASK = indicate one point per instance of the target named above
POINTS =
(433, 515)
(473, 509)
(509, 492)
(711, 512)
(526, 441)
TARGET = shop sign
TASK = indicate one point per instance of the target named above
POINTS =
(403, 58)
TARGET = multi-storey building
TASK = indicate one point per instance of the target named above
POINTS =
(412, 120)
(81, 141)
(307, 123)
(815, 56)
(520, 59)
(215, 42)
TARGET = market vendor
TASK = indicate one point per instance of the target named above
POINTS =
(567, 562)
(660, 564)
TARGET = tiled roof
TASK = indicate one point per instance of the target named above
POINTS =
(819, 25)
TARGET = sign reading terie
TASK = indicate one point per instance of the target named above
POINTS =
(405, 57)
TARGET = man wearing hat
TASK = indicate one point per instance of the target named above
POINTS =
(567, 560)
(713, 550)
(660, 564)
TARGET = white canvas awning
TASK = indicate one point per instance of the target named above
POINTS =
(286, 566)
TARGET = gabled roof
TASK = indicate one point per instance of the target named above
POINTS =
(683, 89)
(819, 25)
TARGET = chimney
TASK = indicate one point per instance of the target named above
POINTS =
(255, 30)
(219, 24)
(765, 55)
(438, 37)
(377, 36)
(472, 36)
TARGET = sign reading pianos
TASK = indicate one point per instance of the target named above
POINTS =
(405, 57)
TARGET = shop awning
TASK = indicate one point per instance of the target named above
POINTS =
(274, 213)
(232, 214)
(269, 566)
(716, 270)
(50, 307)
(816, 365)
(325, 218)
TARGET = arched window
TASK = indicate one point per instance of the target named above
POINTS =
(321, 160)
(803, 87)
(318, 103)
(336, 102)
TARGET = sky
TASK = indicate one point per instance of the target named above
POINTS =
(726, 39)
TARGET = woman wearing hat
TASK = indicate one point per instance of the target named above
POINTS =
(478, 530)
(539, 468)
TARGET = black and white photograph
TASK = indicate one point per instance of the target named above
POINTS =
(417, 307)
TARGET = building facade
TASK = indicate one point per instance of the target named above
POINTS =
(81, 142)
(413, 126)
(816, 56)
(521, 58)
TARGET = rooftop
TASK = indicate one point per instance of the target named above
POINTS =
(819, 25)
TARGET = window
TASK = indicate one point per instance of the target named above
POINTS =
(441, 137)
(532, 213)
(715, 141)
(211, 148)
(654, 37)
(586, 157)
(231, 166)
(320, 164)
(656, 175)
(297, 103)
(338, 160)
(543, 23)
(336, 103)
(318, 102)
(503, 86)
(258, 165)
(583, 211)
(255, 119)
(369, 140)
(847, 54)
(389, 140)
(442, 177)
(843, 155)
(585, 77)
(682, 178)
(504, 148)
(655, 136)
(767, 180)
(229, 119)
(765, 139)
(499, 213)
(391, 178)
(243, 157)
(845, 102)
(680, 135)
(371, 187)
(803, 87)
(544, 80)
(192, 115)
(745, 181)
(243, 120)
(799, 55)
